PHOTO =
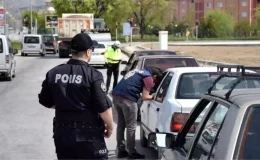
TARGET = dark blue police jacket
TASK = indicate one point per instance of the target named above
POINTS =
(132, 84)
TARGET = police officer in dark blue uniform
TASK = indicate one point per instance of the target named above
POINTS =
(83, 115)
(125, 97)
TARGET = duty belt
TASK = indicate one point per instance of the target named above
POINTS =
(74, 124)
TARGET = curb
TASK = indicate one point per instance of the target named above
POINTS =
(203, 62)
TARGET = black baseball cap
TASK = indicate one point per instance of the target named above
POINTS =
(81, 42)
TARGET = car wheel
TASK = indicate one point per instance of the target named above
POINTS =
(9, 77)
(143, 139)
(42, 54)
(54, 52)
(22, 54)
(13, 73)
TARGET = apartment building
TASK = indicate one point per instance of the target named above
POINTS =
(239, 9)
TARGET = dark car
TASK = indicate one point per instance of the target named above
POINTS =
(50, 43)
(223, 125)
(145, 53)
(161, 61)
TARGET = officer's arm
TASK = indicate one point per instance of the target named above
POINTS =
(148, 85)
(45, 97)
(102, 103)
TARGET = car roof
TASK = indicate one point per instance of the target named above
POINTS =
(163, 56)
(240, 97)
(3, 36)
(140, 51)
(32, 35)
(198, 69)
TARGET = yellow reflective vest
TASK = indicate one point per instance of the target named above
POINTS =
(113, 56)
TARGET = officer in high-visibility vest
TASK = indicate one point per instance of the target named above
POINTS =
(113, 56)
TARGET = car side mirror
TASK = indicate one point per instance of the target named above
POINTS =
(15, 51)
(161, 140)
(123, 73)
(123, 62)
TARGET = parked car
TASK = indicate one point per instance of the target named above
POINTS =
(136, 54)
(32, 44)
(58, 41)
(163, 62)
(98, 55)
(223, 125)
(177, 94)
(7, 60)
(50, 44)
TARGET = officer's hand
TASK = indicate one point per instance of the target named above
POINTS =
(108, 132)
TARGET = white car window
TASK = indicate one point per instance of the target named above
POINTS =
(100, 46)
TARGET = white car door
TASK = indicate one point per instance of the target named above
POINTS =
(2, 54)
(157, 103)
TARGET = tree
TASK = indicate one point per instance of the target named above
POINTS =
(27, 14)
(223, 22)
(118, 12)
(41, 20)
(257, 16)
(98, 7)
(242, 27)
(146, 12)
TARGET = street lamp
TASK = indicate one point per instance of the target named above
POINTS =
(76, 2)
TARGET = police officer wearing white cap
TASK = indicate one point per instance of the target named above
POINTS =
(83, 115)
(113, 55)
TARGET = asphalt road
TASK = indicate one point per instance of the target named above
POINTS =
(25, 125)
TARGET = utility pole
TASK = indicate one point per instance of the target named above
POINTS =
(31, 15)
(5, 18)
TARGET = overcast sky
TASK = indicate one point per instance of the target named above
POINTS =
(22, 3)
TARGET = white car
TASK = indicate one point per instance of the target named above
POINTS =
(178, 93)
(32, 44)
(98, 55)
(7, 60)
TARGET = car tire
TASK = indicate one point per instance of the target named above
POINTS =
(54, 52)
(13, 73)
(143, 139)
(42, 54)
(22, 54)
(9, 77)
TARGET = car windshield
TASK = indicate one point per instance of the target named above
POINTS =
(32, 40)
(100, 46)
(48, 38)
(251, 136)
(194, 85)
(165, 63)
(146, 53)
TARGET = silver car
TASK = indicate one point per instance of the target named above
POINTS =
(228, 125)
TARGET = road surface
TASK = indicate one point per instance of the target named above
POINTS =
(25, 125)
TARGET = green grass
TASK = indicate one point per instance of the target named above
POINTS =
(17, 45)
(148, 38)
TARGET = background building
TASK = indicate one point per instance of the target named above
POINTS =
(239, 9)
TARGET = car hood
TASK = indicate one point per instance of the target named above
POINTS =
(187, 104)
(98, 50)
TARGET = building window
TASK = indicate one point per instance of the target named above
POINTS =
(244, 14)
(183, 1)
(244, 3)
(183, 10)
(191, 1)
(209, 4)
(220, 4)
